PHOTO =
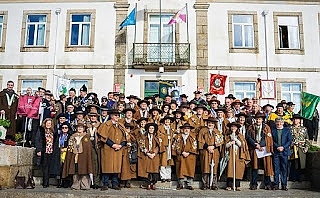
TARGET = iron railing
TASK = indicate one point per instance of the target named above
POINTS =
(163, 53)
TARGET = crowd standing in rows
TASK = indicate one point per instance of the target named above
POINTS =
(85, 142)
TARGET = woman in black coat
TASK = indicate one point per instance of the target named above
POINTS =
(47, 147)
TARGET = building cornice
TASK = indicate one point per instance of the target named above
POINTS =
(55, 1)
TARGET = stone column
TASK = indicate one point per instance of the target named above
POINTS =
(202, 42)
(121, 7)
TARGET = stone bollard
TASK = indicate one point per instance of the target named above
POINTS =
(14, 158)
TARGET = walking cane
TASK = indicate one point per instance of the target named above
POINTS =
(234, 166)
(25, 131)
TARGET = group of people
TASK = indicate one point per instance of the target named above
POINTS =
(85, 142)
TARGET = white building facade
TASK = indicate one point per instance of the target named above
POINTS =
(245, 40)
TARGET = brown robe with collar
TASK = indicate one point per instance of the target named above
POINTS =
(133, 122)
(267, 161)
(111, 160)
(128, 171)
(216, 140)
(10, 111)
(176, 125)
(224, 126)
(162, 133)
(197, 123)
(185, 166)
(137, 115)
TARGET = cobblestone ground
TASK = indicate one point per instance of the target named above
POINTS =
(53, 192)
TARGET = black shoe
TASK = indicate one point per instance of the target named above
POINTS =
(45, 186)
(179, 187)
(284, 188)
(116, 188)
(275, 188)
(168, 180)
(253, 187)
(163, 180)
(103, 188)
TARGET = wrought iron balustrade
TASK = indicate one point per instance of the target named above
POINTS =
(162, 53)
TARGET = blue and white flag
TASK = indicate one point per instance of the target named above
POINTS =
(130, 20)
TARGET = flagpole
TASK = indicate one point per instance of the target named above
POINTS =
(160, 28)
(187, 22)
(135, 26)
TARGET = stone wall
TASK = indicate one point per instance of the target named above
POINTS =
(14, 158)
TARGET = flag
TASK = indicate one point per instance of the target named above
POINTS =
(29, 106)
(309, 103)
(179, 17)
(62, 86)
(163, 88)
(130, 20)
(217, 84)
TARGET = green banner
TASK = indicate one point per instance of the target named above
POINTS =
(309, 103)
(163, 88)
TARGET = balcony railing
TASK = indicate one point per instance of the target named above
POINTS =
(164, 53)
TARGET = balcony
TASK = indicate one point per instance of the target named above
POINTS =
(172, 56)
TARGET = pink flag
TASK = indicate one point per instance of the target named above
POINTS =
(179, 17)
(29, 106)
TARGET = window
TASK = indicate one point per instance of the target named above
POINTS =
(151, 88)
(288, 32)
(244, 90)
(291, 92)
(243, 31)
(36, 30)
(165, 51)
(1, 28)
(77, 84)
(33, 84)
(80, 29)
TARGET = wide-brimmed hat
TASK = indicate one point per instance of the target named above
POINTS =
(63, 124)
(128, 125)
(290, 104)
(241, 114)
(200, 106)
(268, 105)
(129, 109)
(260, 115)
(92, 113)
(79, 112)
(162, 108)
(113, 112)
(95, 106)
(141, 119)
(183, 96)
(214, 100)
(186, 125)
(231, 96)
(155, 109)
(211, 119)
(197, 92)
(224, 110)
(166, 118)
(208, 94)
(237, 101)
(104, 109)
(280, 105)
(296, 116)
(143, 101)
(79, 123)
(237, 124)
(151, 124)
(62, 115)
(178, 111)
(131, 96)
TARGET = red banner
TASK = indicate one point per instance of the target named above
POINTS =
(217, 84)
(29, 106)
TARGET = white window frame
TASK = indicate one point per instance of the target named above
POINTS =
(1, 29)
(80, 30)
(245, 91)
(36, 31)
(297, 108)
(34, 89)
(289, 35)
(243, 31)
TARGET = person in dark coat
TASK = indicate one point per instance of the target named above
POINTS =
(47, 147)
(282, 140)
(312, 126)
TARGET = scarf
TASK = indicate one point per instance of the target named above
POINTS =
(169, 142)
(185, 137)
(258, 133)
(150, 136)
(62, 139)
(49, 141)
(144, 114)
(220, 120)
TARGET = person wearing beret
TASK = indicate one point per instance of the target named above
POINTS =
(197, 98)
(82, 98)
(166, 133)
(129, 117)
(197, 120)
(79, 160)
(260, 137)
(143, 110)
(210, 143)
(111, 138)
(150, 146)
(92, 128)
(235, 142)
(222, 121)
(299, 148)
(155, 115)
(185, 148)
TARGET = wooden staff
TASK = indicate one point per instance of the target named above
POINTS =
(234, 164)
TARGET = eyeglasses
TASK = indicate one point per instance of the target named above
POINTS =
(64, 127)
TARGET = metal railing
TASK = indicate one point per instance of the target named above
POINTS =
(163, 53)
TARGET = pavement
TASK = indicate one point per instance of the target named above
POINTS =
(53, 192)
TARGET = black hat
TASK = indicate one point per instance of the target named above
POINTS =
(186, 125)
(121, 95)
(200, 106)
(63, 124)
(260, 115)
(151, 124)
(72, 89)
(62, 96)
(116, 93)
(62, 115)
(168, 96)
(141, 119)
(155, 109)
(131, 96)
(113, 112)
(211, 119)
(208, 94)
(279, 105)
(296, 116)
(94, 94)
(84, 88)
(183, 96)
(148, 98)
(167, 118)
(94, 105)
(290, 104)
(241, 114)
(267, 105)
(178, 111)
(129, 109)
(156, 95)
(41, 88)
(128, 125)
(143, 101)
(231, 96)
(104, 109)
(237, 124)
(79, 112)
(104, 98)
(164, 105)
(192, 102)
(48, 92)
(214, 100)
(224, 110)
(197, 92)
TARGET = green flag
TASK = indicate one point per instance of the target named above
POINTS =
(163, 88)
(309, 103)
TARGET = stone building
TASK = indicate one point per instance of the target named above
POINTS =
(41, 40)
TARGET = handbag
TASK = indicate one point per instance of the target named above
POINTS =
(133, 153)
(30, 183)
(19, 181)
(4, 123)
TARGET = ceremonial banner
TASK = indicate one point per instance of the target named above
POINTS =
(163, 88)
(62, 86)
(309, 103)
(217, 84)
(29, 106)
